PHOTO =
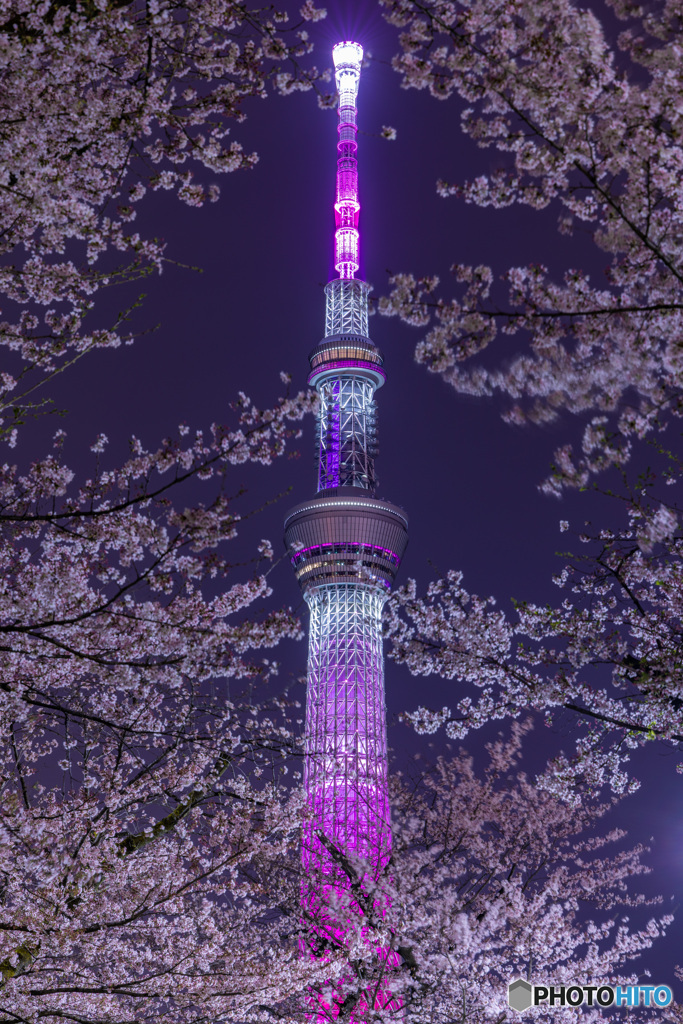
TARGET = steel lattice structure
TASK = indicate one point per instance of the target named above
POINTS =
(346, 775)
(346, 307)
(347, 433)
(346, 546)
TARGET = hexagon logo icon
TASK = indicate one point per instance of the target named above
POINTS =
(519, 995)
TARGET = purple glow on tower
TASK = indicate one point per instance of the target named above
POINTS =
(345, 547)
(347, 63)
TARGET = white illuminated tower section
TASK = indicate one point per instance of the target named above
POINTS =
(346, 546)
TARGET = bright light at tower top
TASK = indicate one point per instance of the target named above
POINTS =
(348, 53)
(347, 58)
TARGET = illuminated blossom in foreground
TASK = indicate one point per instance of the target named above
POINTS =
(591, 131)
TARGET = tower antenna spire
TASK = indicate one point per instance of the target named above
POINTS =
(345, 546)
(348, 58)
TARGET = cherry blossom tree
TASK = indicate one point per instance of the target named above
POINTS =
(142, 766)
(593, 129)
(103, 101)
(490, 880)
(142, 758)
(606, 657)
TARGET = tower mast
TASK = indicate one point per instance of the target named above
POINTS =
(346, 546)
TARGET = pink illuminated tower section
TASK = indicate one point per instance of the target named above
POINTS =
(346, 545)
(347, 62)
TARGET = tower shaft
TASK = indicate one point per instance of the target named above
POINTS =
(346, 546)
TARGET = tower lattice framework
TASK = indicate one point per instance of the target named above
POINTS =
(346, 546)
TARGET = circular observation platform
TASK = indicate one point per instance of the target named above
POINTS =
(346, 536)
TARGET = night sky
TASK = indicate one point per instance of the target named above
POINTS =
(467, 480)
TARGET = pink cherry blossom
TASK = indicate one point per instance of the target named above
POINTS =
(590, 129)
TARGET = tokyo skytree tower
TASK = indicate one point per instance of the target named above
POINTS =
(345, 546)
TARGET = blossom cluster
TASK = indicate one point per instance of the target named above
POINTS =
(607, 654)
(103, 102)
(593, 130)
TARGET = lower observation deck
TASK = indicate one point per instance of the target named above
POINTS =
(346, 536)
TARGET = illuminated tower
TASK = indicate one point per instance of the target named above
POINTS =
(346, 546)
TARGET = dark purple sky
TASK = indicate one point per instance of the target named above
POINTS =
(467, 480)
